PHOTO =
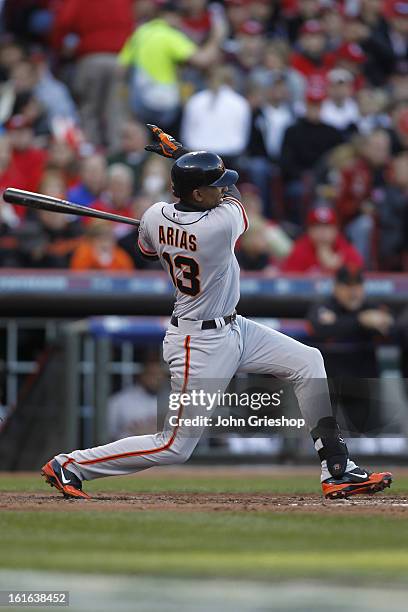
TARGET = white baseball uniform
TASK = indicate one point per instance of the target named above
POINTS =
(197, 250)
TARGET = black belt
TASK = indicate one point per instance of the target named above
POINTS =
(211, 324)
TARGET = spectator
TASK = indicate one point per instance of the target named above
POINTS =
(269, 122)
(63, 157)
(131, 152)
(217, 119)
(397, 13)
(303, 146)
(53, 95)
(154, 52)
(237, 12)
(155, 181)
(249, 50)
(372, 105)
(351, 57)
(346, 321)
(339, 109)
(361, 185)
(10, 174)
(48, 239)
(118, 196)
(309, 138)
(398, 131)
(98, 250)
(369, 30)
(93, 181)
(323, 249)
(144, 10)
(29, 20)
(11, 54)
(391, 214)
(133, 411)
(332, 20)
(329, 171)
(27, 159)
(9, 220)
(267, 13)
(274, 116)
(304, 10)
(10, 252)
(196, 20)
(378, 45)
(276, 62)
(311, 60)
(25, 102)
(101, 29)
(398, 85)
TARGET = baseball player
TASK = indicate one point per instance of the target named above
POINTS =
(206, 340)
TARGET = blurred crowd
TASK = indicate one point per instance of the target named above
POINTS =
(307, 99)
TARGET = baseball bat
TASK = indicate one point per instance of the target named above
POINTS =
(44, 202)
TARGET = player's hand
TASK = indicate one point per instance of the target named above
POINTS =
(165, 144)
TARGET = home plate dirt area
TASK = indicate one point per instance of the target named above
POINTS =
(183, 502)
(204, 489)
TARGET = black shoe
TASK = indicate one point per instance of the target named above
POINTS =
(63, 480)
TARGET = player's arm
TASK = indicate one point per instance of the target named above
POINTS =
(239, 220)
(233, 192)
(144, 243)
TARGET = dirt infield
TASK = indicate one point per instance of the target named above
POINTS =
(388, 502)
(204, 502)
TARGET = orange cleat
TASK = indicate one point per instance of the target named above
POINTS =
(356, 482)
(63, 480)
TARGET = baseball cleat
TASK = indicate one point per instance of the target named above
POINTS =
(356, 482)
(63, 480)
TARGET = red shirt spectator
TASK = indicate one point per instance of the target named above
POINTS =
(360, 181)
(10, 175)
(27, 163)
(100, 26)
(196, 22)
(323, 249)
(312, 61)
(351, 57)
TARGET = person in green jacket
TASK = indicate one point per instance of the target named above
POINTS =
(153, 54)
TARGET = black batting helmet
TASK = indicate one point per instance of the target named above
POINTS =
(200, 169)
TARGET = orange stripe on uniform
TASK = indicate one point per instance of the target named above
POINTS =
(173, 435)
(145, 251)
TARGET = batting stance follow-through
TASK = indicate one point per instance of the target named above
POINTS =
(194, 239)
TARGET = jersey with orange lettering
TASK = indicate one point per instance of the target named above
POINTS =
(196, 248)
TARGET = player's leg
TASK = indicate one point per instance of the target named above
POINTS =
(266, 351)
(195, 361)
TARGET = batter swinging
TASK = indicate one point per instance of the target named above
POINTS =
(206, 340)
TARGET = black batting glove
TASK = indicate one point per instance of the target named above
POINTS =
(165, 144)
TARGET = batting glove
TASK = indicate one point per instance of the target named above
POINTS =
(165, 144)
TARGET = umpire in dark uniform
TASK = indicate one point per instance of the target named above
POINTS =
(348, 330)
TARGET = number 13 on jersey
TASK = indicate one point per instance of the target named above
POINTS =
(189, 283)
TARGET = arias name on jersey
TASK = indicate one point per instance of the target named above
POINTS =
(177, 238)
